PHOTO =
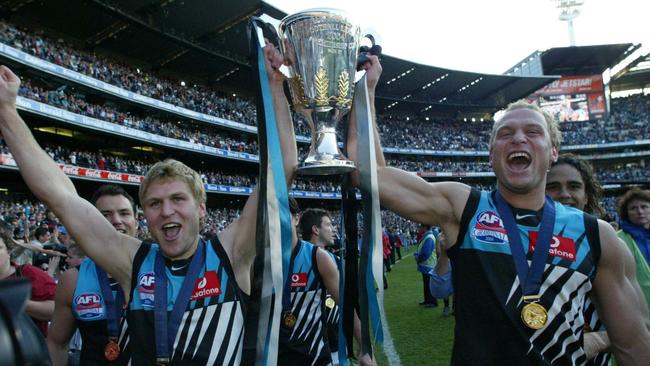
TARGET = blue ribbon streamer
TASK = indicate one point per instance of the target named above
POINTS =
(276, 180)
(369, 303)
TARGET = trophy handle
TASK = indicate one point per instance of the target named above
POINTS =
(268, 31)
(375, 50)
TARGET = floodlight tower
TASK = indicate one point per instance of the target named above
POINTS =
(569, 10)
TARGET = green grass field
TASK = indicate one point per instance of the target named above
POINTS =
(422, 336)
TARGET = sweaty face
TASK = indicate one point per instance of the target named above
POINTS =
(119, 212)
(173, 216)
(564, 184)
(638, 212)
(326, 231)
(522, 152)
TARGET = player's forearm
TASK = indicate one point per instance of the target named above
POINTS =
(634, 349)
(286, 132)
(442, 266)
(41, 310)
(39, 171)
(637, 354)
(379, 152)
(58, 352)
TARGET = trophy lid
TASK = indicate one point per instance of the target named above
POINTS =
(315, 12)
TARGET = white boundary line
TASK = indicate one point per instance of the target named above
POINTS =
(389, 346)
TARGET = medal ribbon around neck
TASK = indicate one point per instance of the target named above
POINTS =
(113, 306)
(166, 328)
(288, 318)
(530, 278)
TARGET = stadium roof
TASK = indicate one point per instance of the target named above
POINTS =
(584, 60)
(576, 60)
(408, 86)
(207, 40)
(635, 76)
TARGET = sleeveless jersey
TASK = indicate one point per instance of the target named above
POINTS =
(212, 328)
(489, 329)
(332, 323)
(306, 342)
(89, 311)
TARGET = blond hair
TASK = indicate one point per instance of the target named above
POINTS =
(551, 124)
(170, 169)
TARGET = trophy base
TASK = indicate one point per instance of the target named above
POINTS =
(331, 167)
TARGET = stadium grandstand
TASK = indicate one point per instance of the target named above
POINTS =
(111, 87)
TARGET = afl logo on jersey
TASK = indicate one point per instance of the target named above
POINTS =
(489, 228)
(89, 306)
(146, 283)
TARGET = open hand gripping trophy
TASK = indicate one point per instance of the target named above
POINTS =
(323, 45)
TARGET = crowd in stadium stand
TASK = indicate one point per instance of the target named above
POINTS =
(195, 133)
(95, 160)
(114, 163)
(439, 165)
(627, 173)
(439, 135)
(25, 216)
(193, 97)
(627, 122)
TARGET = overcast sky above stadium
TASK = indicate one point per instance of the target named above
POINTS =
(487, 36)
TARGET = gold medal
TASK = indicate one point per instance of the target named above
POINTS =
(329, 303)
(289, 319)
(534, 315)
(111, 350)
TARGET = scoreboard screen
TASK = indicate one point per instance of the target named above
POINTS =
(573, 98)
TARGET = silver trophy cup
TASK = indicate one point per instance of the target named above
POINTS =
(323, 45)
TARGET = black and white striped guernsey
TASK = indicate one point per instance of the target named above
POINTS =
(306, 342)
(489, 329)
(212, 328)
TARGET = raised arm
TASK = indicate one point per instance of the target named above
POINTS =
(36, 248)
(439, 204)
(110, 249)
(239, 237)
(616, 301)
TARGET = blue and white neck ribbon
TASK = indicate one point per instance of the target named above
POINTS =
(273, 232)
(371, 290)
